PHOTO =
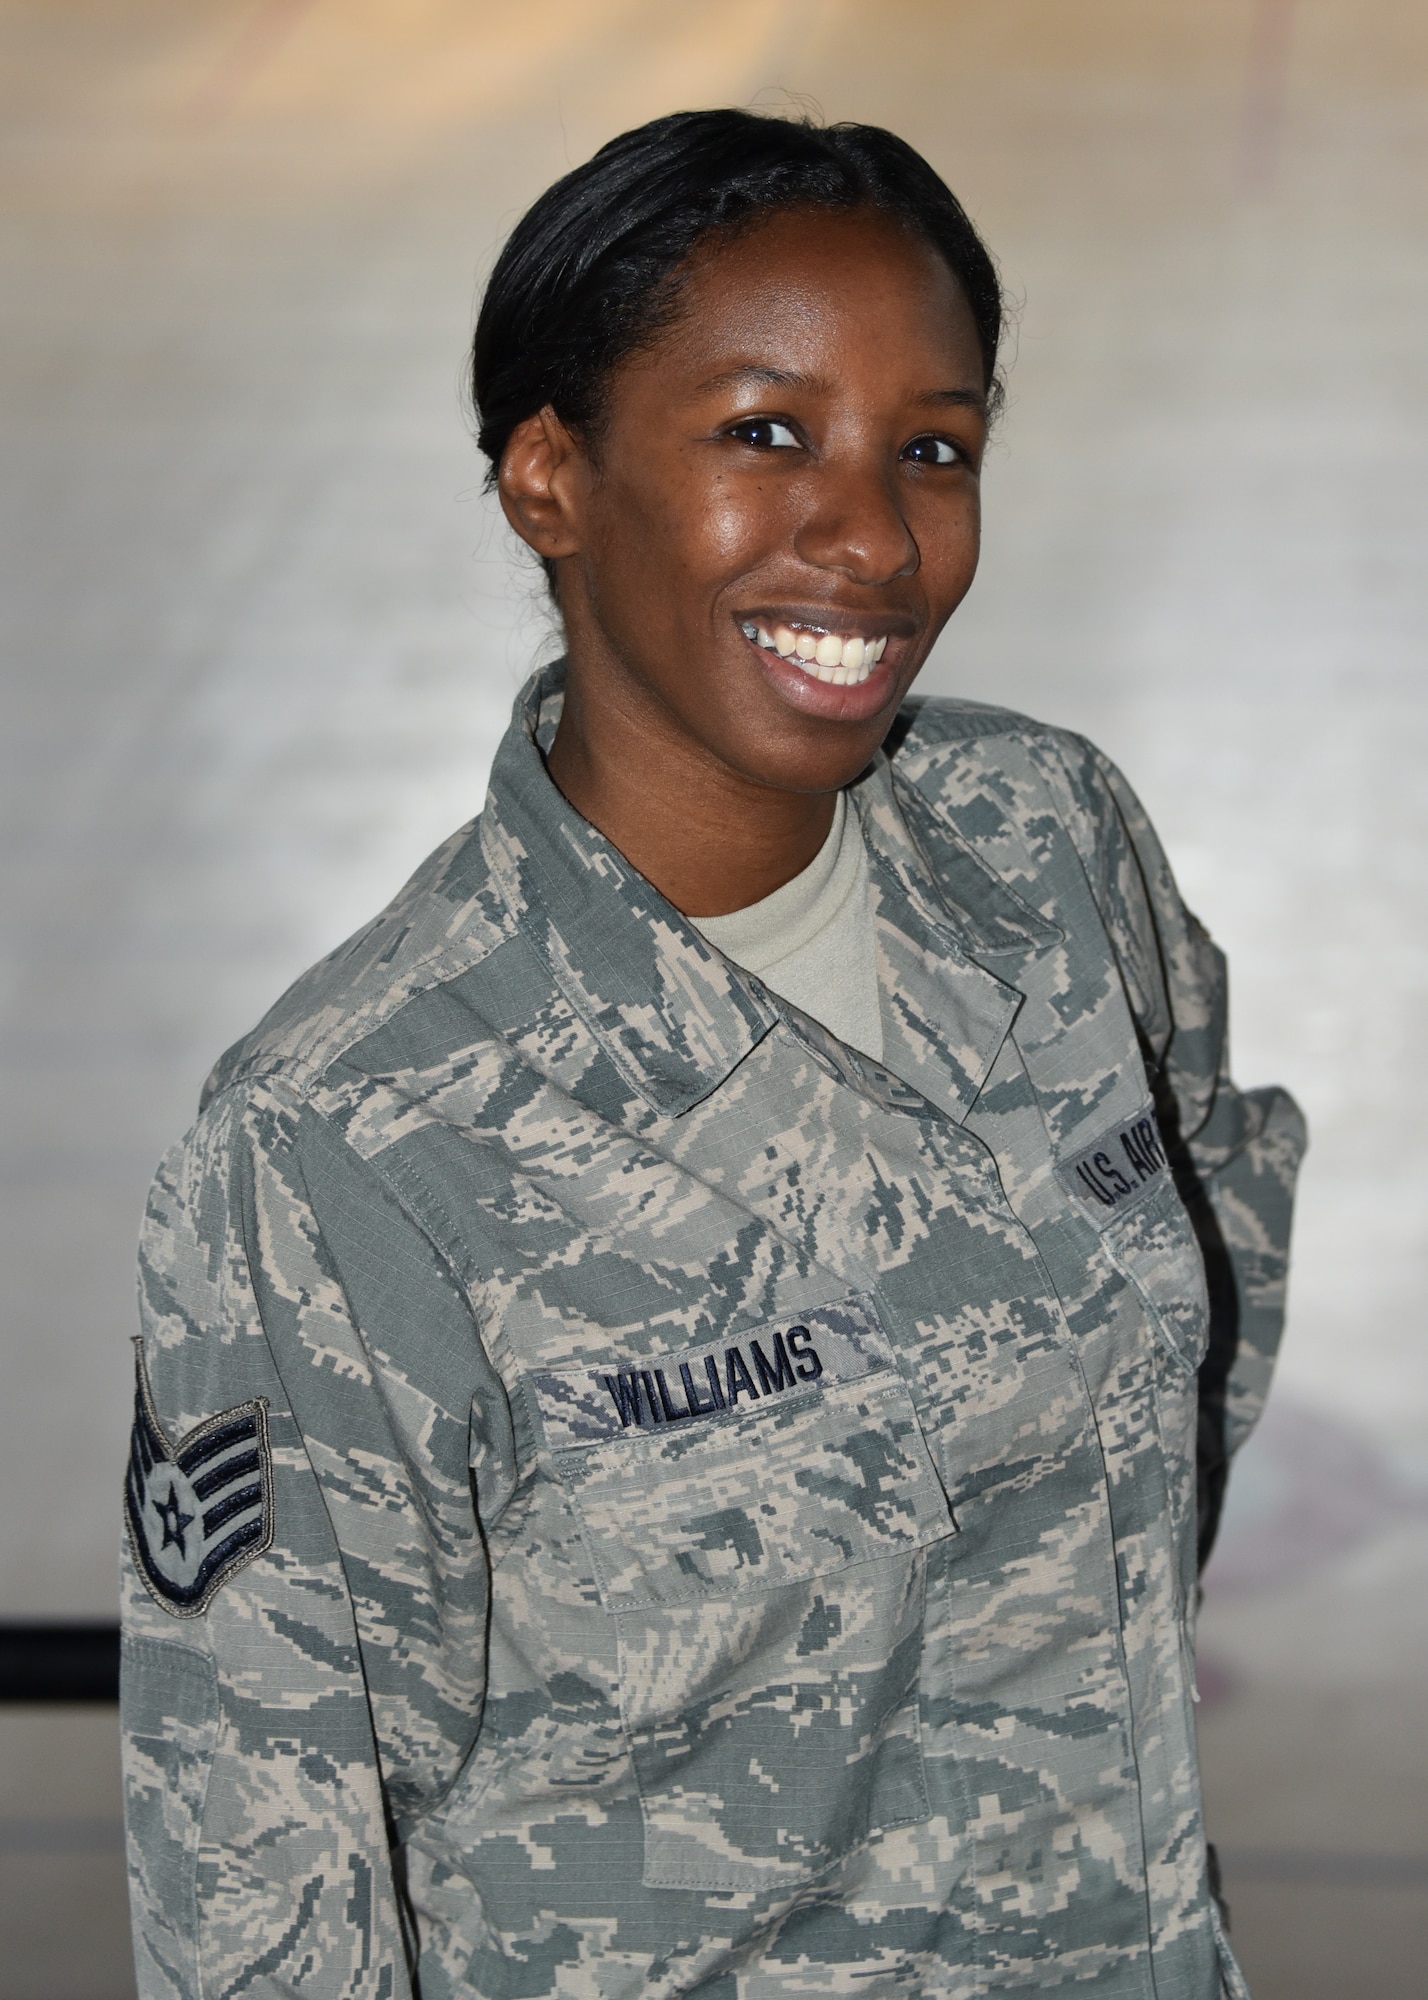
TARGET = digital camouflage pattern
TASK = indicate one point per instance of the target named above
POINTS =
(734, 1504)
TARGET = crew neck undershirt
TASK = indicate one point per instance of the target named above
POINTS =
(811, 941)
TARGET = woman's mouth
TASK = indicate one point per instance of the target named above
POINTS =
(825, 656)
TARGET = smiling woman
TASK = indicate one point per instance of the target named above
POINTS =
(787, 411)
(686, 1368)
(776, 452)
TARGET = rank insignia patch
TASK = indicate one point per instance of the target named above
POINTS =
(200, 1509)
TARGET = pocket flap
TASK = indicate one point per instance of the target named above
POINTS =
(744, 1464)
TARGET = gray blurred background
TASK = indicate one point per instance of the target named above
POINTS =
(262, 630)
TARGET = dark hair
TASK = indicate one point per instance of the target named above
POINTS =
(589, 273)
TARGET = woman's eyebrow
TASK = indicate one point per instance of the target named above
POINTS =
(760, 375)
(973, 399)
(756, 373)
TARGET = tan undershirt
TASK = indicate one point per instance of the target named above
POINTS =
(812, 940)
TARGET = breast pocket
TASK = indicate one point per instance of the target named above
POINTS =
(1123, 1181)
(1155, 1246)
(755, 1512)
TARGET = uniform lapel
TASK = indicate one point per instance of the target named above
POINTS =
(945, 1012)
(674, 1015)
(1073, 1027)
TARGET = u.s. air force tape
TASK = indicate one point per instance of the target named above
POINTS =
(1117, 1167)
(629, 1393)
(198, 1510)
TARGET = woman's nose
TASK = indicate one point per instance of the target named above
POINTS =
(855, 524)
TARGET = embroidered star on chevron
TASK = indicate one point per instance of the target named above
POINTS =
(201, 1509)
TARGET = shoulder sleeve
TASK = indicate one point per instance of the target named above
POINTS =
(1236, 1152)
(288, 1497)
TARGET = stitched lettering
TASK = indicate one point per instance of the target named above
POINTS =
(1097, 1192)
(672, 1415)
(737, 1376)
(625, 1392)
(711, 1369)
(642, 1396)
(771, 1378)
(1118, 1165)
(691, 1394)
(802, 1356)
(806, 1364)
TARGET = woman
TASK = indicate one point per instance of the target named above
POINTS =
(665, 1453)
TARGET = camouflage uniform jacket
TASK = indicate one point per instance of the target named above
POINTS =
(630, 1497)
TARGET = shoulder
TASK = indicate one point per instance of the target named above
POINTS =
(994, 764)
(444, 923)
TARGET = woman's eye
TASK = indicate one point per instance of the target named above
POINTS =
(931, 451)
(764, 433)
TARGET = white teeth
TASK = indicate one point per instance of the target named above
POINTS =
(840, 662)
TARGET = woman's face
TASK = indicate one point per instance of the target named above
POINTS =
(790, 471)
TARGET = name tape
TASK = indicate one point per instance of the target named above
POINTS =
(630, 1394)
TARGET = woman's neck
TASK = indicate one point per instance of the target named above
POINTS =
(710, 839)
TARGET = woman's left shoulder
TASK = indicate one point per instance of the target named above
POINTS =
(953, 750)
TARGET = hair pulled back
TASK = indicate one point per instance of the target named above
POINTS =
(590, 272)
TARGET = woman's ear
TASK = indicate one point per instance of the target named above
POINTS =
(542, 482)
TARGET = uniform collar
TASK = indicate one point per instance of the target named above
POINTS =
(675, 1016)
(951, 938)
(947, 880)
